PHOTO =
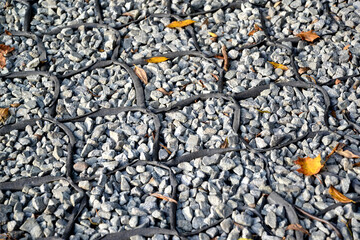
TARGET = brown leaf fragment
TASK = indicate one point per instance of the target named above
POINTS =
(216, 77)
(297, 227)
(219, 57)
(303, 70)
(347, 47)
(8, 33)
(4, 114)
(156, 59)
(163, 91)
(225, 144)
(311, 78)
(184, 23)
(166, 149)
(141, 74)
(202, 83)
(337, 81)
(309, 36)
(332, 152)
(252, 69)
(278, 65)
(356, 164)
(333, 114)
(350, 56)
(15, 105)
(184, 86)
(133, 14)
(256, 29)
(338, 196)
(4, 50)
(206, 22)
(346, 153)
(158, 195)
(226, 58)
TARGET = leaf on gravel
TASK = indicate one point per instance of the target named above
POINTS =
(183, 23)
(15, 105)
(8, 33)
(4, 114)
(277, 4)
(335, 194)
(356, 164)
(256, 29)
(166, 149)
(303, 70)
(141, 74)
(262, 111)
(213, 34)
(163, 91)
(309, 36)
(347, 47)
(297, 227)
(4, 49)
(337, 81)
(345, 153)
(156, 59)
(278, 65)
(225, 144)
(309, 166)
(226, 58)
(158, 195)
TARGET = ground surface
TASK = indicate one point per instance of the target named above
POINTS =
(71, 176)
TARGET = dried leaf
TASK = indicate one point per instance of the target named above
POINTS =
(311, 78)
(226, 58)
(245, 239)
(8, 33)
(141, 74)
(166, 149)
(4, 50)
(332, 152)
(337, 81)
(335, 194)
(297, 227)
(347, 47)
(202, 83)
(225, 144)
(158, 195)
(346, 153)
(163, 91)
(356, 164)
(216, 77)
(303, 70)
(4, 114)
(350, 56)
(156, 59)
(309, 36)
(262, 111)
(309, 166)
(15, 105)
(277, 4)
(278, 65)
(213, 34)
(133, 14)
(183, 23)
(256, 29)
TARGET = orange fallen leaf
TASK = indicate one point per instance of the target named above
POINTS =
(213, 34)
(278, 65)
(347, 47)
(216, 77)
(158, 195)
(225, 144)
(156, 59)
(297, 227)
(356, 164)
(15, 105)
(303, 70)
(335, 194)
(309, 36)
(226, 58)
(4, 114)
(163, 91)
(8, 33)
(166, 149)
(256, 29)
(141, 74)
(309, 166)
(337, 81)
(4, 50)
(183, 23)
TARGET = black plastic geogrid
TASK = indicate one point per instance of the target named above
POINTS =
(141, 106)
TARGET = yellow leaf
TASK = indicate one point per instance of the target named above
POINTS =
(158, 195)
(309, 166)
(277, 4)
(309, 36)
(335, 194)
(183, 23)
(141, 74)
(262, 111)
(4, 114)
(278, 65)
(213, 34)
(156, 59)
(245, 239)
